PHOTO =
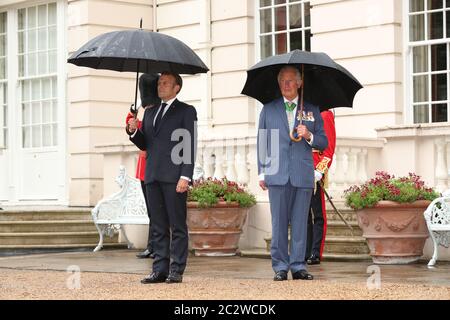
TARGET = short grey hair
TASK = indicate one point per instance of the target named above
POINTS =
(289, 68)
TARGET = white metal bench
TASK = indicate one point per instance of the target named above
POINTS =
(126, 206)
(437, 216)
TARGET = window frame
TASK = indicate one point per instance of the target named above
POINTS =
(408, 50)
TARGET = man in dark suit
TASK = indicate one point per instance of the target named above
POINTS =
(168, 135)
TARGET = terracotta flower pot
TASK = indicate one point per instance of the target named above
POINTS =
(215, 231)
(395, 232)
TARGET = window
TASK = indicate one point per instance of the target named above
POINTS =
(284, 25)
(37, 49)
(429, 41)
(3, 84)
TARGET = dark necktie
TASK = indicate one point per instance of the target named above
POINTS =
(159, 116)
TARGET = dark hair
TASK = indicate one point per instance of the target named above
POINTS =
(178, 79)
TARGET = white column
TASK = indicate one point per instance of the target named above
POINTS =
(441, 172)
(218, 172)
(207, 162)
(362, 166)
(340, 174)
(242, 165)
(352, 169)
(231, 172)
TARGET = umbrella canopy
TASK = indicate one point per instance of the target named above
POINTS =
(326, 83)
(138, 51)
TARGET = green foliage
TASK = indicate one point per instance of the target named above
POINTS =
(209, 192)
(386, 187)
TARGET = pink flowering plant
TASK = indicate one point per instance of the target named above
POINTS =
(386, 187)
(208, 192)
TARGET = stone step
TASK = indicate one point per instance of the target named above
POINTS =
(40, 214)
(12, 250)
(345, 245)
(349, 215)
(262, 253)
(47, 226)
(339, 228)
(53, 238)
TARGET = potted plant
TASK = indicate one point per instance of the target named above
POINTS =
(390, 213)
(217, 210)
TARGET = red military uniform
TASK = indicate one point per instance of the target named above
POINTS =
(140, 167)
(322, 162)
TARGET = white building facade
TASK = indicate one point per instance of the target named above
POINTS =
(62, 132)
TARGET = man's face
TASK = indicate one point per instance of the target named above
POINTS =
(167, 87)
(289, 84)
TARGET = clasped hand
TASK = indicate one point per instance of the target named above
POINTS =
(133, 124)
(303, 132)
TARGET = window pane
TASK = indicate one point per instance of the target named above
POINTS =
(420, 59)
(46, 135)
(36, 136)
(2, 45)
(21, 17)
(307, 15)
(52, 37)
(447, 23)
(417, 27)
(31, 17)
(280, 19)
(3, 22)
(55, 134)
(439, 113)
(265, 21)
(55, 111)
(31, 40)
(435, 4)
(31, 64)
(35, 90)
(46, 88)
(436, 25)
(52, 13)
(295, 16)
(266, 46)
(36, 113)
(26, 113)
(26, 137)
(54, 87)
(439, 87)
(21, 37)
(281, 43)
(52, 61)
(46, 112)
(42, 15)
(296, 40)
(416, 5)
(26, 91)
(421, 114)
(2, 68)
(439, 57)
(42, 63)
(280, 1)
(264, 3)
(42, 38)
(308, 40)
(420, 85)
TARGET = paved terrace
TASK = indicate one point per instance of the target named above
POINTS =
(116, 274)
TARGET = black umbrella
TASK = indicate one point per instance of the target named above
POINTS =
(138, 51)
(326, 83)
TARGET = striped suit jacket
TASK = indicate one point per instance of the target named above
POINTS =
(279, 158)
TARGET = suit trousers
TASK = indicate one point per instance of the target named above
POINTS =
(316, 224)
(289, 205)
(149, 241)
(169, 226)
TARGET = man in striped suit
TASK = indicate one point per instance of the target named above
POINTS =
(286, 169)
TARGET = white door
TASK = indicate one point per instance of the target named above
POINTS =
(34, 158)
(4, 150)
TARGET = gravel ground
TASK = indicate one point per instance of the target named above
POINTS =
(48, 285)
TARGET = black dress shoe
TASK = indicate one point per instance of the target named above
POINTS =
(155, 277)
(174, 277)
(302, 275)
(145, 254)
(280, 276)
(313, 259)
